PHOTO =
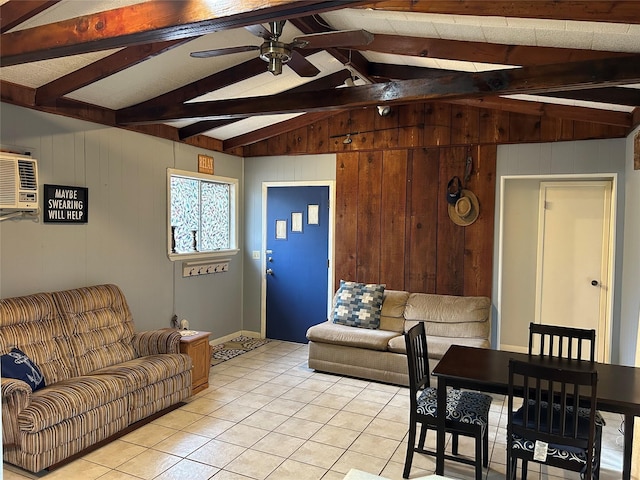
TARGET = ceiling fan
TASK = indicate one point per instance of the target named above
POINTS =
(277, 53)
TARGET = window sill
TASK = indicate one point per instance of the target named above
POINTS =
(175, 257)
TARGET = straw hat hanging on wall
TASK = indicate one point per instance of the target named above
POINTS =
(466, 209)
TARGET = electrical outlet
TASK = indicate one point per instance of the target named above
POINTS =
(255, 254)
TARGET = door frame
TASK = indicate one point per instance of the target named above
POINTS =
(331, 242)
(508, 179)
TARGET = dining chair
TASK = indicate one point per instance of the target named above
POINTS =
(563, 434)
(467, 412)
(560, 341)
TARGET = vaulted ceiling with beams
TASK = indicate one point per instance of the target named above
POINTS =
(228, 73)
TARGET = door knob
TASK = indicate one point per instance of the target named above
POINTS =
(594, 283)
(269, 271)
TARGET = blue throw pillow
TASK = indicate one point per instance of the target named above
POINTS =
(16, 364)
(358, 304)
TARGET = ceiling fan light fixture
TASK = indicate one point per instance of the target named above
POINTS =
(275, 66)
(276, 54)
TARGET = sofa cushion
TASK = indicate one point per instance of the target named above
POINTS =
(336, 334)
(100, 326)
(147, 370)
(392, 312)
(449, 315)
(358, 304)
(32, 324)
(70, 398)
(16, 364)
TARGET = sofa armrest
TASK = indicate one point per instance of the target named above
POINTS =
(153, 342)
(16, 396)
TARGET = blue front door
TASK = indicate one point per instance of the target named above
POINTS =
(297, 256)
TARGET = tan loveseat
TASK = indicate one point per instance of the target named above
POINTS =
(380, 354)
(100, 375)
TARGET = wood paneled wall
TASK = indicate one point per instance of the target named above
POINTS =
(431, 124)
(392, 224)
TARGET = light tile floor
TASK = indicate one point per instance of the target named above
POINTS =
(266, 415)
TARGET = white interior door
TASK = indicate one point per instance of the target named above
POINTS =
(572, 285)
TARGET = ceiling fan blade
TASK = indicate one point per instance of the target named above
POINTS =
(259, 31)
(224, 51)
(302, 66)
(342, 38)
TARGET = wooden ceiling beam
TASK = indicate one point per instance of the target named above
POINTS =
(213, 82)
(148, 22)
(387, 72)
(526, 80)
(216, 81)
(275, 129)
(480, 52)
(25, 97)
(568, 112)
(328, 81)
(611, 95)
(15, 12)
(618, 11)
(114, 63)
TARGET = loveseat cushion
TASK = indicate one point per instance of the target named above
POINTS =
(392, 313)
(329, 332)
(438, 346)
(70, 398)
(100, 326)
(449, 315)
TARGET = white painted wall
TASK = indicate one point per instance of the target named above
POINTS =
(519, 253)
(270, 169)
(124, 241)
(630, 288)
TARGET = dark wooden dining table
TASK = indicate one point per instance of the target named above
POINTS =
(488, 371)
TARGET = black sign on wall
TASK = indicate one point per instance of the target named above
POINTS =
(64, 204)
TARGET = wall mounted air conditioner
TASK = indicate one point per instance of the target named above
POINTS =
(18, 182)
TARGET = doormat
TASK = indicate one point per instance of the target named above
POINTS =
(234, 347)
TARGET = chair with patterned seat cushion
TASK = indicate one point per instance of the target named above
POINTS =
(565, 342)
(554, 435)
(467, 412)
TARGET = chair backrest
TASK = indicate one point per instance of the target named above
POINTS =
(564, 342)
(560, 423)
(417, 360)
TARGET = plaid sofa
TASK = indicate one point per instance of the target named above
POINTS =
(100, 375)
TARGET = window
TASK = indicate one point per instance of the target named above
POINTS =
(202, 215)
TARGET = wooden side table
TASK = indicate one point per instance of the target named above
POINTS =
(198, 348)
